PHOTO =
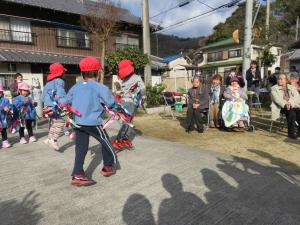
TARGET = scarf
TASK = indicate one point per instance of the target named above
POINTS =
(215, 94)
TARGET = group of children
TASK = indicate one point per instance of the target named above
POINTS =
(202, 99)
(89, 100)
(20, 113)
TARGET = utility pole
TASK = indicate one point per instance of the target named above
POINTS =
(267, 34)
(146, 40)
(297, 28)
(268, 19)
(247, 38)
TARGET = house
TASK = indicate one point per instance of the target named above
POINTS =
(291, 58)
(223, 56)
(158, 68)
(179, 73)
(35, 33)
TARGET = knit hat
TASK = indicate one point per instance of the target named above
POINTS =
(23, 86)
(234, 79)
(126, 68)
(90, 63)
(56, 70)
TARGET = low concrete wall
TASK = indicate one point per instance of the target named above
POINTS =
(160, 109)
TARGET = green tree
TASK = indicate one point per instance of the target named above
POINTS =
(138, 58)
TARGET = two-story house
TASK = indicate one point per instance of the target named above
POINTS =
(223, 56)
(35, 33)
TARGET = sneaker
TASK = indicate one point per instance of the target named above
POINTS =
(23, 141)
(52, 144)
(13, 131)
(6, 144)
(81, 180)
(117, 145)
(107, 171)
(32, 139)
(127, 143)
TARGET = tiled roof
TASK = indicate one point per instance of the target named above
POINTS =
(295, 55)
(21, 56)
(73, 6)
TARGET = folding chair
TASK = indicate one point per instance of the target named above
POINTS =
(256, 103)
(169, 102)
(281, 121)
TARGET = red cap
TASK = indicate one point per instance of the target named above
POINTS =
(90, 64)
(125, 68)
(56, 70)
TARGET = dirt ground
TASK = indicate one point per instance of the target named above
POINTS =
(272, 148)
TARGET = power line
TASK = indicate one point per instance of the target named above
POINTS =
(176, 6)
(180, 23)
(203, 3)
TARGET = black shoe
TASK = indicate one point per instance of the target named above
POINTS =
(201, 130)
(187, 130)
(292, 136)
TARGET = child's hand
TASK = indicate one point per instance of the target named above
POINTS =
(6, 109)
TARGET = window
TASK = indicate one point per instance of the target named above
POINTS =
(214, 56)
(125, 41)
(12, 67)
(235, 53)
(73, 39)
(15, 30)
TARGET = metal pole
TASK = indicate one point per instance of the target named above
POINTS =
(268, 19)
(146, 40)
(247, 38)
(297, 28)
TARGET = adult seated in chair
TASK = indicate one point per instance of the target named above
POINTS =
(197, 103)
(286, 100)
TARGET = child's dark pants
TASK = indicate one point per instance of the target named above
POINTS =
(4, 134)
(28, 124)
(82, 145)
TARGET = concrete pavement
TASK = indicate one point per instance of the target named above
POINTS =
(159, 183)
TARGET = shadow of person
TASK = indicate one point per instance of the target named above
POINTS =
(13, 212)
(96, 160)
(260, 195)
(282, 163)
(181, 206)
(138, 211)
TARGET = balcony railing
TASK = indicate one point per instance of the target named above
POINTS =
(17, 36)
(122, 46)
(68, 42)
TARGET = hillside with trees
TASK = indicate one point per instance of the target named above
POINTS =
(165, 45)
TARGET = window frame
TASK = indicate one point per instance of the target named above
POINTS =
(235, 50)
(215, 59)
(71, 37)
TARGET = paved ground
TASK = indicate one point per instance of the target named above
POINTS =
(159, 183)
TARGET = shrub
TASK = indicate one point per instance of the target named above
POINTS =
(154, 95)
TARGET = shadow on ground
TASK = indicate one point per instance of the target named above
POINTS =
(258, 194)
(13, 212)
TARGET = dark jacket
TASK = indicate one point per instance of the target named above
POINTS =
(250, 80)
(198, 95)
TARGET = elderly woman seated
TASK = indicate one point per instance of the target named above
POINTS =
(286, 100)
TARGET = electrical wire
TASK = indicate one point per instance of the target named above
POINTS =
(180, 23)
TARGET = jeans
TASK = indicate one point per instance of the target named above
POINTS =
(82, 145)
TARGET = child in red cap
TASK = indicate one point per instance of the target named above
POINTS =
(25, 107)
(54, 93)
(133, 90)
(88, 97)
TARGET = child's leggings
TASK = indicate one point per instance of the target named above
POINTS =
(4, 134)
(56, 129)
(28, 124)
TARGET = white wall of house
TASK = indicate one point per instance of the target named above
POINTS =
(177, 68)
(156, 80)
